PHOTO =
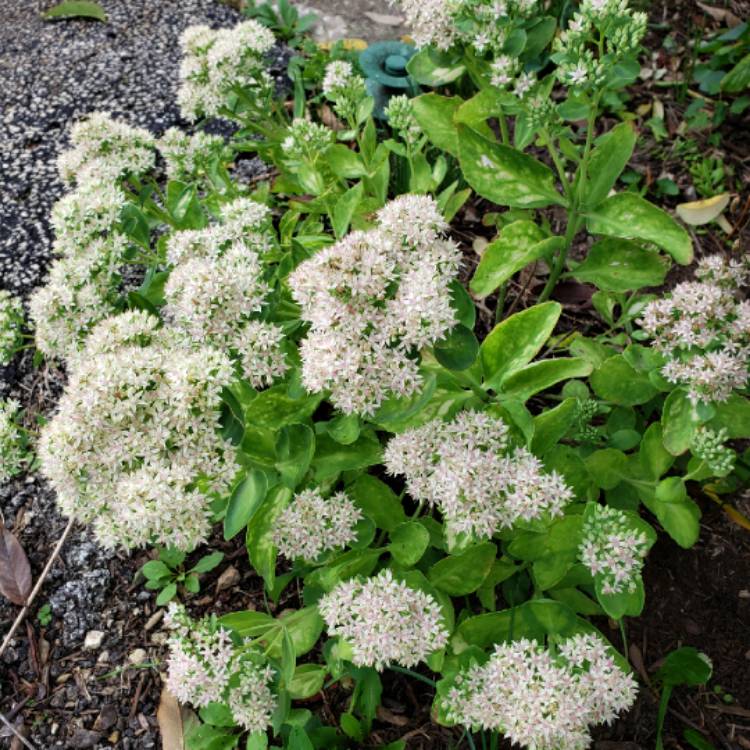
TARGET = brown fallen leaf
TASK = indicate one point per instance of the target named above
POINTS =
(384, 19)
(722, 15)
(704, 211)
(15, 573)
(174, 721)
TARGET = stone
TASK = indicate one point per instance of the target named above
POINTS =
(138, 656)
(93, 640)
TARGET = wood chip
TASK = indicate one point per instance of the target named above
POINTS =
(384, 19)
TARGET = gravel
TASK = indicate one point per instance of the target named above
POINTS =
(54, 73)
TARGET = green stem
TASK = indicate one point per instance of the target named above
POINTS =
(501, 294)
(574, 224)
(504, 134)
(412, 673)
(470, 740)
(624, 636)
(494, 741)
(666, 694)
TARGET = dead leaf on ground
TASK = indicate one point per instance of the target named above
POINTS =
(722, 15)
(15, 573)
(174, 720)
(696, 213)
(385, 20)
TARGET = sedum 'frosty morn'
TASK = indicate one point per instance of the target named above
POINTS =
(79, 292)
(343, 87)
(134, 446)
(467, 470)
(106, 149)
(543, 699)
(613, 550)
(204, 666)
(216, 61)
(703, 329)
(11, 325)
(313, 524)
(372, 301)
(384, 621)
(188, 157)
(12, 452)
(216, 291)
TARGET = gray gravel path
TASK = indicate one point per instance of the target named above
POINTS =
(52, 73)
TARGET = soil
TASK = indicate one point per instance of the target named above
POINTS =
(60, 693)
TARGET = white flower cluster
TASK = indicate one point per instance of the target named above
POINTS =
(400, 114)
(216, 61)
(79, 291)
(384, 621)
(343, 87)
(312, 525)
(216, 290)
(708, 445)
(543, 699)
(613, 550)
(703, 329)
(601, 34)
(373, 300)
(483, 25)
(11, 325)
(305, 140)
(105, 149)
(188, 157)
(466, 469)
(12, 440)
(134, 446)
(204, 666)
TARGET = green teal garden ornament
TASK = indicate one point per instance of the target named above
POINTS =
(384, 66)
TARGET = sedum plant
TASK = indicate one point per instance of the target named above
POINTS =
(299, 370)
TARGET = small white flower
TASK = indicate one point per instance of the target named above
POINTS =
(541, 700)
(312, 525)
(384, 621)
(613, 550)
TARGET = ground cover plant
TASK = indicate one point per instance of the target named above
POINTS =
(437, 483)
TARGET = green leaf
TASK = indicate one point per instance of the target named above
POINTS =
(679, 421)
(295, 448)
(458, 350)
(515, 341)
(304, 627)
(408, 543)
(616, 265)
(519, 244)
(435, 113)
(616, 381)
(433, 68)
(345, 428)
(298, 740)
(332, 457)
(307, 681)
(552, 425)
(75, 9)
(166, 594)
(654, 458)
(274, 408)
(155, 570)
(344, 209)
(504, 175)
(248, 623)
(205, 737)
(344, 162)
(533, 619)
(679, 515)
(685, 666)
(355, 562)
(611, 155)
(738, 78)
(607, 467)
(259, 539)
(629, 216)
(246, 499)
(457, 575)
(463, 304)
(208, 562)
(538, 376)
(378, 501)
(733, 415)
